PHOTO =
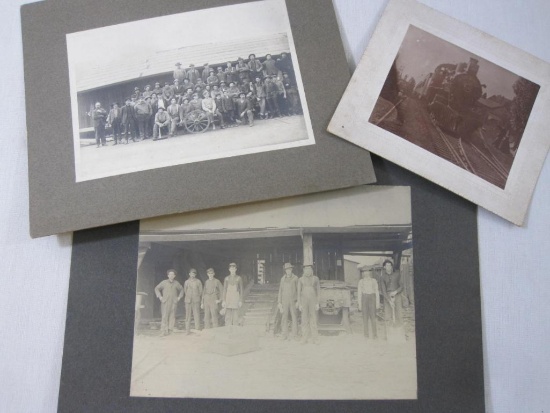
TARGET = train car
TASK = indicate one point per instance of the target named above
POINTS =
(452, 96)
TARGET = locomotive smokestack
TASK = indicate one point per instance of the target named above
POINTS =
(462, 67)
(473, 67)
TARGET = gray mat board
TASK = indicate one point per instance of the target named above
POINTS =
(97, 354)
(58, 204)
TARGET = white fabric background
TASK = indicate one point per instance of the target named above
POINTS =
(515, 268)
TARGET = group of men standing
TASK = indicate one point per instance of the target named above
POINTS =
(304, 293)
(170, 292)
(230, 94)
(295, 294)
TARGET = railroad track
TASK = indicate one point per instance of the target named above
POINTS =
(497, 167)
(389, 112)
(471, 158)
(493, 159)
(453, 150)
(479, 161)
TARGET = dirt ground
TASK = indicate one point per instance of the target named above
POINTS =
(344, 366)
(112, 160)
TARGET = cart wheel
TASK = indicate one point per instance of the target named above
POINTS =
(196, 122)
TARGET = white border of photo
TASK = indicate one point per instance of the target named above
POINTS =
(79, 45)
(351, 119)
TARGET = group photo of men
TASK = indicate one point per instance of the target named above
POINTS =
(199, 99)
(214, 325)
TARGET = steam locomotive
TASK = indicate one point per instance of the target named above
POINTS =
(452, 93)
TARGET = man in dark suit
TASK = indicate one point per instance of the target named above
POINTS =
(99, 116)
(179, 73)
(115, 120)
(128, 120)
(192, 74)
(178, 90)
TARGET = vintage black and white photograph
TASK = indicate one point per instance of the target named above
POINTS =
(304, 298)
(189, 87)
(451, 104)
(455, 104)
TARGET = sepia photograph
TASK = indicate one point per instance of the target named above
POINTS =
(455, 104)
(308, 298)
(452, 104)
(173, 90)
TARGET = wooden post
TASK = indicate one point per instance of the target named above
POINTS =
(307, 240)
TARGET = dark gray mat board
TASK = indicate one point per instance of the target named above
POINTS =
(97, 356)
(59, 204)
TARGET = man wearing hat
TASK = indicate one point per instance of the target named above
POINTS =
(230, 73)
(99, 116)
(147, 92)
(233, 91)
(162, 124)
(193, 293)
(211, 297)
(187, 85)
(169, 292)
(232, 296)
(392, 292)
(293, 98)
(228, 107)
(221, 75)
(178, 90)
(368, 297)
(174, 112)
(128, 120)
(270, 65)
(281, 95)
(243, 70)
(205, 72)
(272, 94)
(210, 108)
(188, 93)
(137, 93)
(284, 64)
(115, 120)
(288, 292)
(157, 90)
(260, 93)
(215, 91)
(192, 74)
(244, 108)
(196, 102)
(200, 83)
(185, 108)
(179, 73)
(167, 92)
(212, 79)
(255, 66)
(143, 113)
(309, 293)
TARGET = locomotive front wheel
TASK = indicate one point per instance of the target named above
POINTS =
(196, 122)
